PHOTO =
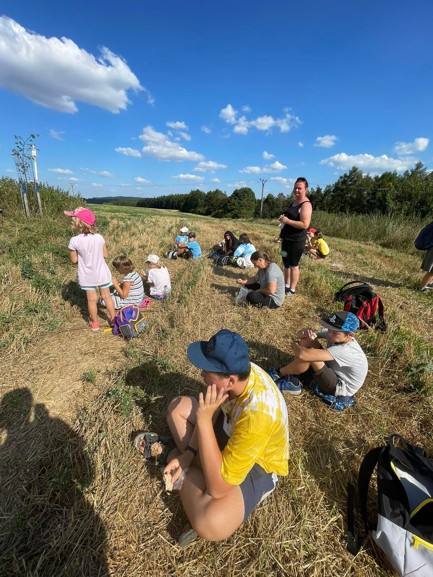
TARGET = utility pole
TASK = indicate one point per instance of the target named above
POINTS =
(263, 180)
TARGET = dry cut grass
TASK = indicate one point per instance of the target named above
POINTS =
(86, 504)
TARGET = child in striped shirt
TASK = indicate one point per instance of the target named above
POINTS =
(130, 290)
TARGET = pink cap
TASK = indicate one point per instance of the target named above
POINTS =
(83, 214)
(311, 230)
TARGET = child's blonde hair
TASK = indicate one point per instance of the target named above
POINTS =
(82, 227)
(123, 264)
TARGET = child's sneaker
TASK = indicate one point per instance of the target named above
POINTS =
(94, 326)
(341, 402)
(274, 374)
(289, 384)
(290, 292)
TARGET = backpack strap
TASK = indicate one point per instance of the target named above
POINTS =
(354, 541)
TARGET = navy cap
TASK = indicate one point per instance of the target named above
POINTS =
(342, 321)
(226, 352)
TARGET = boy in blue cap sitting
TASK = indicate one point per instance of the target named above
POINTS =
(230, 445)
(334, 373)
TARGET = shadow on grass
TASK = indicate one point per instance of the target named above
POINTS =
(48, 526)
(374, 281)
(72, 293)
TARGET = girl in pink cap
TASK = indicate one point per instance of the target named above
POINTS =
(88, 251)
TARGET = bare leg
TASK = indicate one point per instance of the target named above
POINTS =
(213, 519)
(293, 276)
(286, 276)
(106, 295)
(92, 306)
(428, 277)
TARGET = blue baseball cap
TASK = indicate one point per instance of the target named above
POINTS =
(342, 321)
(225, 352)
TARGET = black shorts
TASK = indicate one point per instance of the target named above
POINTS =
(294, 251)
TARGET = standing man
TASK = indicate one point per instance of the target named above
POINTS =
(296, 221)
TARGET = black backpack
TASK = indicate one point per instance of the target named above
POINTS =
(404, 526)
(360, 299)
(424, 240)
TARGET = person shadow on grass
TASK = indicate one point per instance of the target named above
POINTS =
(48, 527)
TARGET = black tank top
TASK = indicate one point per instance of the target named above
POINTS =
(289, 232)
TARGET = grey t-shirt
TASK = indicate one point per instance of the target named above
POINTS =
(273, 274)
(350, 365)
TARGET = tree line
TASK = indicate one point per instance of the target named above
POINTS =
(409, 194)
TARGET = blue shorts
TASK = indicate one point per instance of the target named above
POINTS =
(93, 288)
(258, 484)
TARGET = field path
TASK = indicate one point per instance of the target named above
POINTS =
(55, 367)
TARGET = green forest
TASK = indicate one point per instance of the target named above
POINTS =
(408, 195)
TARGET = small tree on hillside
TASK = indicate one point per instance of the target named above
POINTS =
(242, 203)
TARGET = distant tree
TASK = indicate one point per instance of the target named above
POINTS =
(195, 202)
(242, 203)
(215, 204)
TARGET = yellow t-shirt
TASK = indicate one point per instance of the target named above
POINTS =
(322, 246)
(257, 424)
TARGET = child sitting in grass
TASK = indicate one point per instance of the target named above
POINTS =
(130, 290)
(158, 278)
(319, 248)
(190, 249)
(334, 373)
(242, 255)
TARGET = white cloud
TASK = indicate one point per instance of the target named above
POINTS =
(185, 136)
(216, 180)
(105, 174)
(60, 170)
(206, 129)
(56, 135)
(159, 146)
(56, 73)
(129, 152)
(209, 166)
(274, 167)
(368, 162)
(301, 144)
(73, 179)
(192, 177)
(96, 185)
(228, 114)
(326, 141)
(267, 155)
(177, 125)
(242, 125)
(141, 180)
(418, 145)
(286, 181)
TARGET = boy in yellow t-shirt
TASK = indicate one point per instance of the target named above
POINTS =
(319, 248)
(230, 445)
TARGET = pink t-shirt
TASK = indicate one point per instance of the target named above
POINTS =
(92, 268)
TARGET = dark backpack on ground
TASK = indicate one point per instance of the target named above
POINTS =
(129, 322)
(404, 528)
(360, 299)
(424, 240)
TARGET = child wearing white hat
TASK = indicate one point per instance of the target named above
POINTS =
(157, 278)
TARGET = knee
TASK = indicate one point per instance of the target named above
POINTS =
(179, 406)
(214, 528)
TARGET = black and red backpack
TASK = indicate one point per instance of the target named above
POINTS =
(360, 299)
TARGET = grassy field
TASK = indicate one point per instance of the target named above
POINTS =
(77, 500)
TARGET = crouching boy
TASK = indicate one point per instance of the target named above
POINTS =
(334, 373)
(229, 446)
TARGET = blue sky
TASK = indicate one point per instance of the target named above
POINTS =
(142, 98)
